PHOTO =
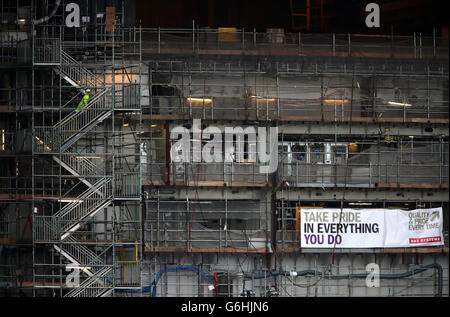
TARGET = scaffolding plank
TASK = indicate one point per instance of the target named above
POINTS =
(311, 118)
(206, 250)
(404, 185)
(364, 119)
(381, 250)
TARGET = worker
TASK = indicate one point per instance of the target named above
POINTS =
(84, 102)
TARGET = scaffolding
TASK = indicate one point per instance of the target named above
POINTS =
(341, 95)
(362, 121)
(364, 126)
(82, 184)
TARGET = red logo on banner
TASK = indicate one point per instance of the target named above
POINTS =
(424, 240)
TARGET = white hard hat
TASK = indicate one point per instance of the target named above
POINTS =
(88, 90)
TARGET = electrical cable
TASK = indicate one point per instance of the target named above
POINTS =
(152, 287)
(342, 205)
(390, 276)
(196, 180)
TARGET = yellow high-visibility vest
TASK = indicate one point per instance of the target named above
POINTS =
(83, 103)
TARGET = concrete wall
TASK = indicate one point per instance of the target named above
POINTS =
(188, 283)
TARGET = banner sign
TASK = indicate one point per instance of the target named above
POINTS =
(370, 228)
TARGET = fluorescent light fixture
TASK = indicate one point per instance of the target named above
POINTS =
(75, 266)
(263, 98)
(332, 101)
(206, 100)
(3, 140)
(360, 204)
(68, 200)
(399, 104)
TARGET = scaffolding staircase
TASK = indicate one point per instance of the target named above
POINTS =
(79, 166)
(59, 138)
(69, 130)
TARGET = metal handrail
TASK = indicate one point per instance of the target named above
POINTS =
(93, 286)
(78, 73)
(53, 137)
(45, 228)
(90, 104)
(97, 277)
(82, 165)
(90, 200)
(88, 193)
(45, 51)
(83, 255)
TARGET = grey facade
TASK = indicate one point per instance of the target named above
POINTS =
(362, 123)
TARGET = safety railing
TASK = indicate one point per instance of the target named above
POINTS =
(127, 185)
(14, 186)
(45, 229)
(78, 73)
(5, 225)
(177, 232)
(83, 255)
(127, 96)
(46, 51)
(288, 238)
(12, 50)
(88, 262)
(216, 41)
(361, 175)
(81, 164)
(46, 139)
(235, 224)
(52, 138)
(94, 286)
(251, 240)
(415, 168)
(333, 109)
(90, 201)
(231, 173)
(128, 274)
(77, 122)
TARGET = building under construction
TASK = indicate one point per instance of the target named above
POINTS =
(93, 203)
